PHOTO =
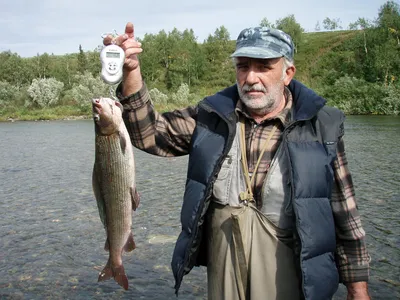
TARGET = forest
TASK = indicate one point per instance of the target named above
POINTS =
(356, 69)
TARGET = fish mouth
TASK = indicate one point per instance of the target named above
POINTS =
(96, 103)
(96, 107)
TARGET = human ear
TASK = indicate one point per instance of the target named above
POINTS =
(289, 74)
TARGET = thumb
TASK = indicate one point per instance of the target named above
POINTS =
(129, 30)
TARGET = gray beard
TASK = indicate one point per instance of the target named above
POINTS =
(270, 100)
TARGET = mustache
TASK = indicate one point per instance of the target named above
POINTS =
(253, 88)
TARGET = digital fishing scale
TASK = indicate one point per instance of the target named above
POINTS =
(112, 60)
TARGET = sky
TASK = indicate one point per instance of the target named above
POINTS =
(58, 27)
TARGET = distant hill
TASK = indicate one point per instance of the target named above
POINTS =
(316, 45)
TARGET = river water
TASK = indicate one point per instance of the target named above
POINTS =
(51, 237)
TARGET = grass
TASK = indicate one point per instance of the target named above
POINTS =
(49, 113)
(314, 46)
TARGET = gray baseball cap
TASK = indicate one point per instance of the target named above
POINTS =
(264, 42)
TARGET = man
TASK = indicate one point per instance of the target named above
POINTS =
(269, 204)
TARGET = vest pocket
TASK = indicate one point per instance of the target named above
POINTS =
(226, 185)
(276, 192)
(223, 182)
(225, 168)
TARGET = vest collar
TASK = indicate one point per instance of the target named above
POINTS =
(223, 102)
(306, 102)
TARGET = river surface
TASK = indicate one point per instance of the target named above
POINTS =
(51, 237)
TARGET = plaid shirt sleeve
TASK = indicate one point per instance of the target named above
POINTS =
(166, 134)
(352, 256)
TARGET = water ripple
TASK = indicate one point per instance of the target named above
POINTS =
(51, 237)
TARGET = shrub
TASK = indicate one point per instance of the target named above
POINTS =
(355, 96)
(8, 93)
(390, 103)
(158, 97)
(181, 97)
(44, 92)
(85, 88)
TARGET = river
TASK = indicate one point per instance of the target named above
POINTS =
(51, 237)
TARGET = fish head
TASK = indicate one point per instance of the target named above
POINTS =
(107, 115)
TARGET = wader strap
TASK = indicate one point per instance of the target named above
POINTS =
(248, 195)
(240, 257)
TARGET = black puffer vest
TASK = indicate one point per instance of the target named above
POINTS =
(310, 146)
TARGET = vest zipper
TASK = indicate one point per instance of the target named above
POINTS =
(207, 193)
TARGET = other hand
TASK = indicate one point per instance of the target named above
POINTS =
(357, 291)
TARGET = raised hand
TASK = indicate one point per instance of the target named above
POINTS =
(132, 80)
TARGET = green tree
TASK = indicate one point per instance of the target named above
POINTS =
(291, 27)
(219, 67)
(42, 66)
(150, 58)
(331, 24)
(389, 19)
(93, 62)
(388, 54)
(265, 23)
(178, 56)
(14, 70)
(389, 16)
(362, 24)
(191, 58)
(82, 61)
(388, 60)
(164, 45)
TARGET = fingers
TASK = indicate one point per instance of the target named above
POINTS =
(107, 40)
(132, 51)
(130, 44)
(119, 40)
(129, 34)
(129, 30)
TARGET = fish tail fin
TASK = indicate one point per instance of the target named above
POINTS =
(120, 277)
(107, 272)
(117, 272)
(130, 244)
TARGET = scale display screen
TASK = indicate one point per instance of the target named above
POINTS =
(112, 54)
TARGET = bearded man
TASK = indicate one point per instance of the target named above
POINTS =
(269, 204)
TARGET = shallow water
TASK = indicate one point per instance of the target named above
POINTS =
(51, 237)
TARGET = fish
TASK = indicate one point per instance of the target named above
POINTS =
(114, 185)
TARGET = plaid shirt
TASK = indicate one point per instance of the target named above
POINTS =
(169, 134)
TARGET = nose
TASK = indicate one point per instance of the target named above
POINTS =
(252, 77)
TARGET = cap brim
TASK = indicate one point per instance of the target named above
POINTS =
(256, 52)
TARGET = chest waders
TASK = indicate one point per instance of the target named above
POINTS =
(246, 258)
